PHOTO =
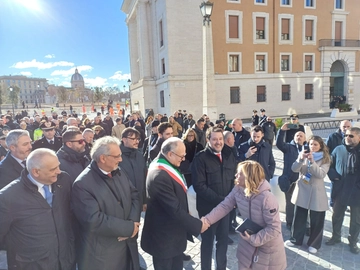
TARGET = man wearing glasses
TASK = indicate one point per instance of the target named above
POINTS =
(49, 140)
(71, 155)
(345, 177)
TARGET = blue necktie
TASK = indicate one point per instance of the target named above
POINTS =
(48, 194)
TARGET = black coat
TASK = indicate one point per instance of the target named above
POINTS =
(334, 140)
(106, 209)
(168, 224)
(133, 164)
(240, 137)
(263, 155)
(36, 235)
(10, 170)
(72, 162)
(269, 129)
(43, 143)
(156, 149)
(212, 180)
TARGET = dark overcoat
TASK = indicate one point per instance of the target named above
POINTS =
(10, 170)
(43, 143)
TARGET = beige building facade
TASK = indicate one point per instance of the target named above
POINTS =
(285, 56)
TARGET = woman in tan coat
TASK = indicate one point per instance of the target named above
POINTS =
(263, 250)
(310, 194)
(177, 128)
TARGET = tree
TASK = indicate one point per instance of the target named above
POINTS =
(13, 96)
(98, 95)
(62, 94)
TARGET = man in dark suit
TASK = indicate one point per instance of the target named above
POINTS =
(106, 205)
(168, 224)
(19, 143)
(48, 140)
(36, 227)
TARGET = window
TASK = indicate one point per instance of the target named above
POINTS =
(285, 92)
(162, 99)
(234, 94)
(309, 3)
(260, 28)
(339, 4)
(285, 2)
(234, 63)
(260, 2)
(338, 28)
(285, 25)
(309, 23)
(309, 63)
(261, 93)
(161, 33)
(309, 30)
(260, 62)
(233, 26)
(309, 91)
(163, 71)
(285, 62)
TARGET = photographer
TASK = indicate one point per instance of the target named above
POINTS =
(294, 127)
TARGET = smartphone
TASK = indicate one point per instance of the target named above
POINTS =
(252, 144)
(306, 148)
(293, 126)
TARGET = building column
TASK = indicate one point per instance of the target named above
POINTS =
(143, 38)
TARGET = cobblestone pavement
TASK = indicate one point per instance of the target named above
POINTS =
(327, 257)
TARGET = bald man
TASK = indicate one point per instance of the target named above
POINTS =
(337, 137)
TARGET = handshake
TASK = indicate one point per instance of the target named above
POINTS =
(205, 224)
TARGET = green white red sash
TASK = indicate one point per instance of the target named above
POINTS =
(164, 165)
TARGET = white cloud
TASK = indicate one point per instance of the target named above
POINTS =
(26, 73)
(71, 71)
(98, 81)
(50, 56)
(120, 77)
(41, 65)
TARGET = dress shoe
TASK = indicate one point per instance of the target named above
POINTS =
(230, 241)
(354, 249)
(186, 257)
(332, 241)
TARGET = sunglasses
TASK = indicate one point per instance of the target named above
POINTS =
(81, 141)
(349, 135)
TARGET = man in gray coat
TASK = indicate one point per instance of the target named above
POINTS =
(36, 227)
(106, 205)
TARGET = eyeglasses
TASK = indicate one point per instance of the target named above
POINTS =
(116, 157)
(47, 130)
(81, 141)
(182, 157)
(133, 139)
(293, 118)
(349, 135)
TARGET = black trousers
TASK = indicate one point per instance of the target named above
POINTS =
(174, 263)
(298, 229)
(290, 207)
(220, 230)
(338, 218)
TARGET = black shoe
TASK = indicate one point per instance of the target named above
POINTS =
(332, 241)
(354, 249)
(230, 241)
(186, 257)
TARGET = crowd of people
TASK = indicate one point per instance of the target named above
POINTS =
(72, 189)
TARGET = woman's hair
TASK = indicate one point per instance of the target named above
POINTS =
(189, 130)
(323, 148)
(254, 175)
(149, 119)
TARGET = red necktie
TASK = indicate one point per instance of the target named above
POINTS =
(219, 156)
(109, 174)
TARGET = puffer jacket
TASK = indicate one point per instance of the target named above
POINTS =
(268, 243)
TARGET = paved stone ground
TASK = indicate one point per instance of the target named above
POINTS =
(328, 257)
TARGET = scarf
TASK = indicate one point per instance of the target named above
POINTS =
(317, 155)
(164, 165)
(352, 159)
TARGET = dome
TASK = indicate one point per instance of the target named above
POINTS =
(76, 77)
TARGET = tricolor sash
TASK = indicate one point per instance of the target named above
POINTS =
(163, 164)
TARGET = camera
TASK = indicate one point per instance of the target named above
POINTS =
(293, 126)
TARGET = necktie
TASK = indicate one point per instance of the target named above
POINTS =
(23, 163)
(48, 194)
(109, 174)
(219, 156)
(51, 142)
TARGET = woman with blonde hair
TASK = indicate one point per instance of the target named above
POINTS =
(177, 128)
(310, 194)
(148, 124)
(253, 197)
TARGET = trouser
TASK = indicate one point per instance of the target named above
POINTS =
(338, 218)
(220, 230)
(298, 229)
(174, 263)
(289, 208)
(232, 218)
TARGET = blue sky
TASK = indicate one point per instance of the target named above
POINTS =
(50, 38)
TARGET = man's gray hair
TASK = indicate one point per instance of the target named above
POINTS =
(13, 136)
(169, 145)
(35, 158)
(102, 147)
(227, 134)
(68, 121)
(88, 130)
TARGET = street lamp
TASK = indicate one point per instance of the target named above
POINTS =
(129, 83)
(37, 95)
(206, 11)
(12, 99)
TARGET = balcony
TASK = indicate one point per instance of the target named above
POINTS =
(339, 43)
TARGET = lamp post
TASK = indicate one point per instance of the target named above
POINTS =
(129, 83)
(37, 95)
(12, 100)
(209, 93)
